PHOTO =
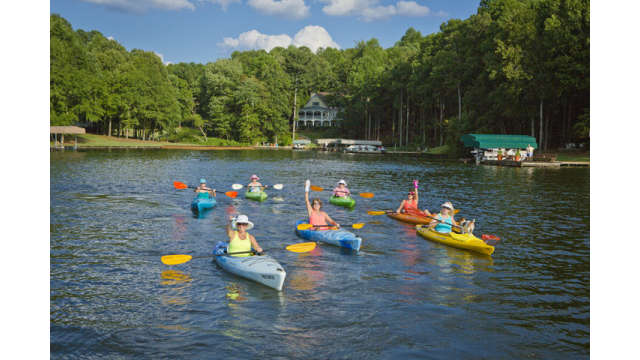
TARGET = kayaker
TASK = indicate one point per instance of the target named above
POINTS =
(239, 239)
(341, 190)
(203, 188)
(410, 204)
(254, 185)
(316, 215)
(444, 220)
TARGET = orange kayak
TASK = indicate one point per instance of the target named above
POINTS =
(411, 219)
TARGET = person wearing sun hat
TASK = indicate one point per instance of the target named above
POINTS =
(254, 185)
(239, 239)
(341, 190)
(204, 189)
(444, 220)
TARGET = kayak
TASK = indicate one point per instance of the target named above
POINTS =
(258, 196)
(339, 237)
(347, 201)
(414, 219)
(203, 202)
(262, 269)
(461, 241)
(411, 219)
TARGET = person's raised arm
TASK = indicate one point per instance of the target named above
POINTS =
(307, 185)
(229, 228)
(415, 186)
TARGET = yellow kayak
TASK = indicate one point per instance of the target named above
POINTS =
(461, 241)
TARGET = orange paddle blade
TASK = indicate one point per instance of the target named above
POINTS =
(366, 195)
(316, 188)
(179, 185)
(231, 194)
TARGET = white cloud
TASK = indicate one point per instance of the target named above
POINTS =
(370, 10)
(293, 9)
(411, 8)
(313, 37)
(223, 3)
(162, 58)
(140, 6)
(255, 40)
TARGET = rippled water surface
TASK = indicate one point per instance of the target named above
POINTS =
(115, 213)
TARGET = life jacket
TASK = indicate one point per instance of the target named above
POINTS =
(410, 206)
(238, 245)
(444, 227)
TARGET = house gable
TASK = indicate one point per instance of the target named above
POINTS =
(316, 101)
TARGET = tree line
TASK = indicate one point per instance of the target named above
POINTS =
(514, 67)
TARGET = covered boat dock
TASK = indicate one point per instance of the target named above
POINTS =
(487, 148)
(58, 133)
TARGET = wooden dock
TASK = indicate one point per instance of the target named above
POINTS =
(538, 164)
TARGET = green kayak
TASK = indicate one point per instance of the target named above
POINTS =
(347, 201)
(258, 196)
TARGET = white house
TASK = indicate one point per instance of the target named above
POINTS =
(316, 113)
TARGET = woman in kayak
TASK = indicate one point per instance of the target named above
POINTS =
(239, 239)
(341, 190)
(316, 215)
(444, 220)
(203, 188)
(254, 185)
(410, 205)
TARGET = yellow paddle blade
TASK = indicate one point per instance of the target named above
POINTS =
(175, 259)
(179, 185)
(357, 226)
(366, 195)
(376, 212)
(304, 226)
(302, 247)
(316, 188)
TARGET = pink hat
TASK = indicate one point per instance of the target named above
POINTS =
(254, 176)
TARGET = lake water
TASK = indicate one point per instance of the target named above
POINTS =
(115, 213)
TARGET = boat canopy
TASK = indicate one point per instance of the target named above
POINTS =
(492, 141)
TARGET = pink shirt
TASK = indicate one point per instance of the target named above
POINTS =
(341, 192)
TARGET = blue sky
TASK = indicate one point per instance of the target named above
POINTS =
(205, 30)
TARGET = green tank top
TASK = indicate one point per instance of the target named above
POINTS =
(237, 245)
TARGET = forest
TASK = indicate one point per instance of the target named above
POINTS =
(514, 67)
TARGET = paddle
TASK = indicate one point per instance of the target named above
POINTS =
(366, 195)
(309, 226)
(240, 186)
(383, 212)
(181, 186)
(182, 258)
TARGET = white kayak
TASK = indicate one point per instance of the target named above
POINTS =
(262, 269)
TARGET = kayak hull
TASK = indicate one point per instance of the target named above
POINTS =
(411, 219)
(262, 269)
(340, 237)
(257, 196)
(200, 204)
(347, 201)
(460, 241)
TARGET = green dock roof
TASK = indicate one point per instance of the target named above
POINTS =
(492, 141)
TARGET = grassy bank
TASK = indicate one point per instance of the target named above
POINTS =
(92, 140)
(573, 155)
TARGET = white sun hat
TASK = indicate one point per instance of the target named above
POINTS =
(241, 219)
(342, 182)
(447, 205)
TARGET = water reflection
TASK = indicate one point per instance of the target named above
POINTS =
(178, 283)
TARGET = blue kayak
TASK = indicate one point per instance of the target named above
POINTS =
(203, 202)
(340, 237)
